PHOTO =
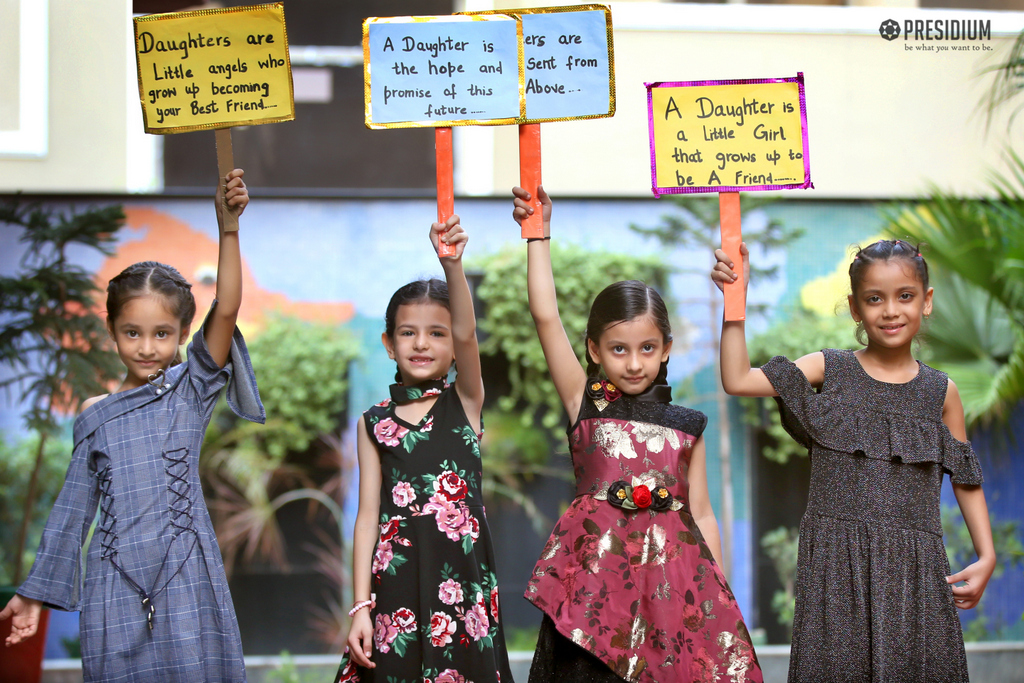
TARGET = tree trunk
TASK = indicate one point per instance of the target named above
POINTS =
(30, 503)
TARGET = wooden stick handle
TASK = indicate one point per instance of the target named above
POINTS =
(529, 177)
(735, 292)
(225, 165)
(445, 183)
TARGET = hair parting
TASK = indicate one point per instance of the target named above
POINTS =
(417, 292)
(151, 277)
(621, 302)
(882, 251)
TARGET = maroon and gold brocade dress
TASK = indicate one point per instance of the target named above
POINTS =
(637, 588)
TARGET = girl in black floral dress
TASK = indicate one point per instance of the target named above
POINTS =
(426, 607)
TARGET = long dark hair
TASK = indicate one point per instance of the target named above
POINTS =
(621, 302)
(150, 277)
(419, 292)
(885, 250)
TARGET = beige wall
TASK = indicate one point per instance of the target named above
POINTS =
(883, 121)
(87, 112)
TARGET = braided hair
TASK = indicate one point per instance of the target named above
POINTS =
(885, 250)
(150, 277)
(621, 302)
(419, 292)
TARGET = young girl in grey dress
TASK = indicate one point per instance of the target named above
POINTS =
(155, 603)
(874, 598)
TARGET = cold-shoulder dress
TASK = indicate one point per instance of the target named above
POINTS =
(437, 617)
(872, 602)
(155, 603)
(629, 589)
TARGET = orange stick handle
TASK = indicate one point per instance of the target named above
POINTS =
(445, 183)
(735, 292)
(225, 165)
(529, 176)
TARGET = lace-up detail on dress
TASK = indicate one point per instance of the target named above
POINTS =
(180, 516)
(108, 520)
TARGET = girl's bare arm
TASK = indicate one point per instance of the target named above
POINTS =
(232, 196)
(566, 372)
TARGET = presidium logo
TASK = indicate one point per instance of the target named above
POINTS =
(938, 29)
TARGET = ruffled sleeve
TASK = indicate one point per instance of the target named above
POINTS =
(56, 575)
(206, 378)
(846, 417)
(959, 459)
(795, 395)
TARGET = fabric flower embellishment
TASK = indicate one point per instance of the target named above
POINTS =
(450, 592)
(639, 494)
(602, 392)
(403, 494)
(442, 626)
(388, 432)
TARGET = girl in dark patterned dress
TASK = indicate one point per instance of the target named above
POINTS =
(874, 598)
(155, 603)
(629, 581)
(426, 607)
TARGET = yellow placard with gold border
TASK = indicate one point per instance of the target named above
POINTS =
(440, 71)
(214, 68)
(568, 62)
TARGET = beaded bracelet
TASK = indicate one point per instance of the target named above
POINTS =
(358, 606)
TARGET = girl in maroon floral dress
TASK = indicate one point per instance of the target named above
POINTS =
(426, 607)
(629, 581)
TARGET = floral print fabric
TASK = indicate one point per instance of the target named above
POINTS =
(437, 618)
(639, 588)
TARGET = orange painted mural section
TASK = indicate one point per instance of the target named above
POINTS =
(171, 241)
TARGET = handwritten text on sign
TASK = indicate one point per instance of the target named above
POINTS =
(567, 60)
(728, 136)
(213, 68)
(441, 71)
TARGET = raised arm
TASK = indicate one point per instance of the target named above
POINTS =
(738, 378)
(469, 380)
(975, 511)
(566, 372)
(232, 196)
(364, 542)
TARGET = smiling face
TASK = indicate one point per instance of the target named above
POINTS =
(891, 302)
(147, 336)
(422, 344)
(631, 353)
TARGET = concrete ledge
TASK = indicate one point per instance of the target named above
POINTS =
(1001, 662)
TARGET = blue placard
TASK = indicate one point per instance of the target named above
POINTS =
(566, 62)
(441, 71)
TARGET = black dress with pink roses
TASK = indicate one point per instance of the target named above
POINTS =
(436, 619)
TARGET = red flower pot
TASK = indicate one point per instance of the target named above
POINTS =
(21, 663)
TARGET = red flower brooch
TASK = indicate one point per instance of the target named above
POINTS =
(602, 390)
(639, 495)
